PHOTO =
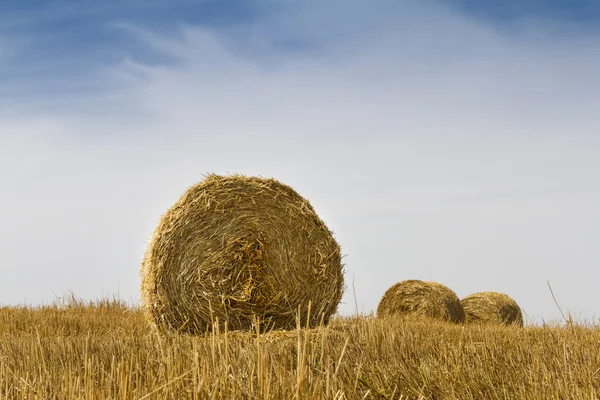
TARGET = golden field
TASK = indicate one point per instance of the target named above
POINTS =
(106, 350)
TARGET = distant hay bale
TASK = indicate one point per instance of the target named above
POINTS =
(492, 307)
(234, 248)
(416, 298)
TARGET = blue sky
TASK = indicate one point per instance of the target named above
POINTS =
(578, 12)
(46, 44)
(454, 141)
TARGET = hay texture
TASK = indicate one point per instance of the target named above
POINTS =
(416, 298)
(492, 307)
(234, 248)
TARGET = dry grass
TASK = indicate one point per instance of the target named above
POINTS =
(417, 298)
(235, 248)
(107, 351)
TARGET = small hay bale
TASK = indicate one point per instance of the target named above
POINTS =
(492, 307)
(234, 248)
(415, 298)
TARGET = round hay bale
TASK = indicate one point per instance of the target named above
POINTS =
(417, 298)
(234, 248)
(492, 307)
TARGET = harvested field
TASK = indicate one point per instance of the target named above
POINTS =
(106, 350)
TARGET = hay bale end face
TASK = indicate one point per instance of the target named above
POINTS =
(492, 307)
(234, 248)
(417, 298)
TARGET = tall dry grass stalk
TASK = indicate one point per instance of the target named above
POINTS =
(106, 350)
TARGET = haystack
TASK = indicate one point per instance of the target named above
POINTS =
(241, 250)
(416, 298)
(492, 307)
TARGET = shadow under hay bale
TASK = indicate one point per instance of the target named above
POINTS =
(415, 298)
(492, 307)
(234, 248)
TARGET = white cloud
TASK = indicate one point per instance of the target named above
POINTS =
(431, 144)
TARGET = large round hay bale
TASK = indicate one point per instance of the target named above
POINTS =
(234, 248)
(417, 298)
(492, 307)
